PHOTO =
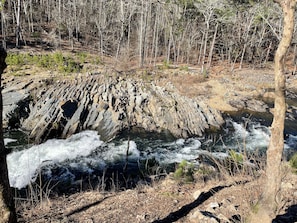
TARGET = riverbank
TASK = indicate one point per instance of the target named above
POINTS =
(219, 199)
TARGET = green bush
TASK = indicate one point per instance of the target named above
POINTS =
(82, 56)
(57, 58)
(237, 158)
(45, 61)
(56, 61)
(15, 59)
(233, 163)
(184, 172)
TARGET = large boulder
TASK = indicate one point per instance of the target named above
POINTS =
(112, 104)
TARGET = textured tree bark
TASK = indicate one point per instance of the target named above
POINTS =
(7, 208)
(270, 198)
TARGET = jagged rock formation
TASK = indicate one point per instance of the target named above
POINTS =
(15, 105)
(110, 105)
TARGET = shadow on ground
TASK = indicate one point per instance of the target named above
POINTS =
(289, 217)
(185, 210)
(86, 207)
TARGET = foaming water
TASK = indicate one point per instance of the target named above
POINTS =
(8, 140)
(250, 136)
(84, 154)
(23, 165)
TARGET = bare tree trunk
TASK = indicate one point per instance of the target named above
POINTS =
(59, 23)
(246, 37)
(268, 204)
(7, 208)
(17, 11)
(201, 48)
(3, 29)
(212, 47)
(27, 16)
(141, 36)
(156, 42)
(120, 39)
(205, 45)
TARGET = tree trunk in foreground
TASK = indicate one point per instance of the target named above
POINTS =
(268, 203)
(7, 208)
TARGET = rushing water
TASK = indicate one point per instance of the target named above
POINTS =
(84, 156)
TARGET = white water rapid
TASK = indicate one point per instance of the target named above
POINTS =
(85, 153)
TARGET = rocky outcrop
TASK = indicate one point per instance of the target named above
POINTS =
(15, 105)
(110, 105)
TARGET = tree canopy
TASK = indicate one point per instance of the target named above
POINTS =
(176, 31)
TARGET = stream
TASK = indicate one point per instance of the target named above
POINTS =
(84, 158)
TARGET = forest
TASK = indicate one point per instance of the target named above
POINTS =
(145, 32)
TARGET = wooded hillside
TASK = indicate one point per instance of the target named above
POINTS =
(146, 31)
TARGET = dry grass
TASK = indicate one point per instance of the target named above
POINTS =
(238, 194)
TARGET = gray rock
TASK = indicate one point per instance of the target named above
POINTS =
(197, 217)
(15, 106)
(196, 194)
(110, 105)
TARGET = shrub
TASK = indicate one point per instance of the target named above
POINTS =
(58, 58)
(232, 164)
(44, 61)
(56, 61)
(237, 158)
(82, 56)
(184, 172)
(15, 59)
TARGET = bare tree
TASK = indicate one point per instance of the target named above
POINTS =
(142, 31)
(17, 12)
(2, 2)
(7, 208)
(178, 31)
(269, 202)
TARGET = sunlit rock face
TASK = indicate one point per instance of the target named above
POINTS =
(112, 104)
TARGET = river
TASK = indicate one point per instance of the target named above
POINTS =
(85, 157)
